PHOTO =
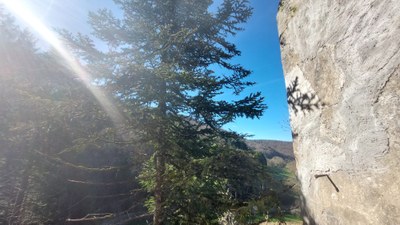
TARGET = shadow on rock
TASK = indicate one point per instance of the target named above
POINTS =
(300, 101)
(305, 212)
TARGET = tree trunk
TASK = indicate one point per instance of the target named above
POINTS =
(160, 164)
(18, 209)
(159, 214)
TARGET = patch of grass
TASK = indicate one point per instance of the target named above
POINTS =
(280, 173)
(292, 218)
(287, 218)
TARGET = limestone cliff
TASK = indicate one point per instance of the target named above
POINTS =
(341, 62)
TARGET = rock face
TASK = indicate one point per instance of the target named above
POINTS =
(342, 67)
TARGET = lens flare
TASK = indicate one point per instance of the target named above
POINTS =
(23, 13)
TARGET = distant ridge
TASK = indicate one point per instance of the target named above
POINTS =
(272, 148)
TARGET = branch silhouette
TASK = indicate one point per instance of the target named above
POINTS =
(301, 102)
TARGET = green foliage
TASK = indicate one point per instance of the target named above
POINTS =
(202, 189)
(158, 65)
(288, 218)
(62, 159)
(256, 211)
(53, 164)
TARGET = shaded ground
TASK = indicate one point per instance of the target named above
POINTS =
(287, 223)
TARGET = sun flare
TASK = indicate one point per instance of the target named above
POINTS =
(23, 12)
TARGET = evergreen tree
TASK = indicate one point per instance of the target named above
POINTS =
(53, 167)
(17, 52)
(158, 63)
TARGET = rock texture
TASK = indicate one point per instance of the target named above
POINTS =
(342, 67)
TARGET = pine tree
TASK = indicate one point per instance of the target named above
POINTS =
(158, 63)
(51, 161)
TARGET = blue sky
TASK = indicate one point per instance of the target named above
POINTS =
(258, 42)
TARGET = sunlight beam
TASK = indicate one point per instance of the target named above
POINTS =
(23, 13)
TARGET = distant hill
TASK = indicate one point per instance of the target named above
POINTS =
(272, 148)
(282, 167)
